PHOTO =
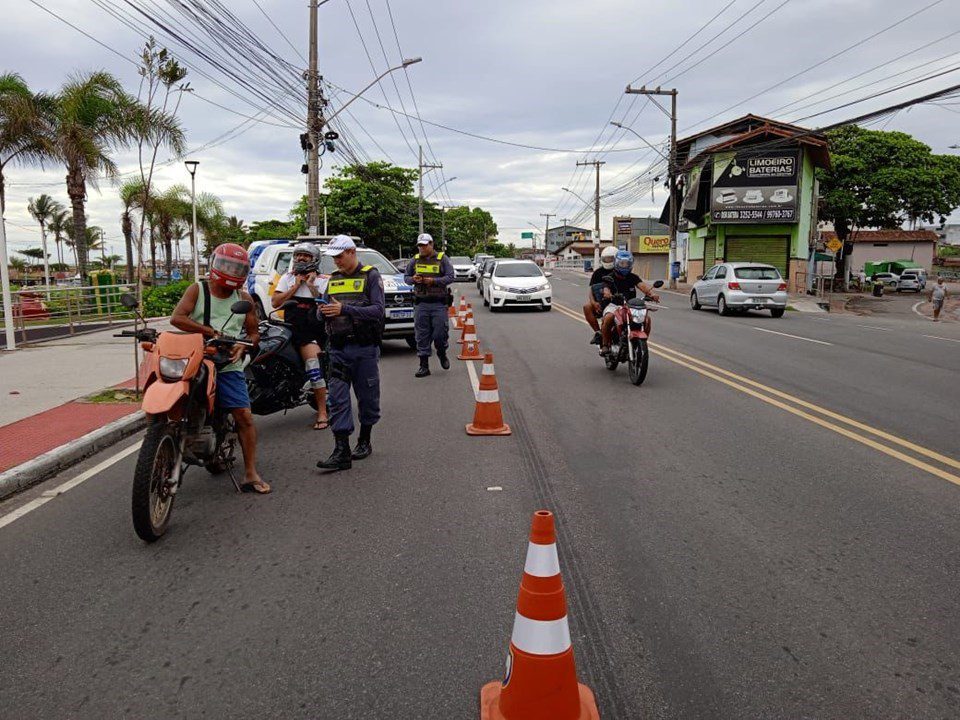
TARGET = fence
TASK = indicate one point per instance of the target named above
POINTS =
(71, 307)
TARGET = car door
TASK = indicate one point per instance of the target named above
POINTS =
(707, 287)
(718, 284)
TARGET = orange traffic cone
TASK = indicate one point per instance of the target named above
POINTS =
(541, 679)
(467, 320)
(488, 417)
(471, 346)
(461, 313)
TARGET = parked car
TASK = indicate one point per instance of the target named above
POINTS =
(484, 273)
(909, 281)
(888, 279)
(517, 282)
(401, 264)
(480, 258)
(741, 286)
(275, 259)
(463, 268)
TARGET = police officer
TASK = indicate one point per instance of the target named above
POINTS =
(354, 311)
(430, 274)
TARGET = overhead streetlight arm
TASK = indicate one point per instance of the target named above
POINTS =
(585, 202)
(448, 180)
(630, 129)
(406, 63)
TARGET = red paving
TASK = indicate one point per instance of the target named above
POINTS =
(26, 439)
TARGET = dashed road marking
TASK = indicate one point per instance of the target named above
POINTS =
(937, 337)
(795, 337)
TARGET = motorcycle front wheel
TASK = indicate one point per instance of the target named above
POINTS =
(641, 359)
(152, 501)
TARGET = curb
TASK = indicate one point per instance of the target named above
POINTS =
(30, 473)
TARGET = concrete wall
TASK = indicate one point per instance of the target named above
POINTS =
(921, 252)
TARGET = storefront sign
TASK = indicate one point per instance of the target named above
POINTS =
(624, 227)
(652, 244)
(755, 187)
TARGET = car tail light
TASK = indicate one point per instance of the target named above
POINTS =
(733, 285)
(781, 287)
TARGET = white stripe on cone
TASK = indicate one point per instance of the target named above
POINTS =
(488, 369)
(540, 637)
(542, 560)
(470, 338)
(490, 396)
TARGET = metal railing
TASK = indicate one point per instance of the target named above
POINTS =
(73, 308)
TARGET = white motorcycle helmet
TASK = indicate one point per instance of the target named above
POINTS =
(607, 257)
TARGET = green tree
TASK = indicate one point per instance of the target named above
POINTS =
(133, 196)
(272, 229)
(470, 230)
(33, 253)
(884, 179)
(42, 209)
(58, 226)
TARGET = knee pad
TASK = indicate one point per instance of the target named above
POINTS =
(314, 374)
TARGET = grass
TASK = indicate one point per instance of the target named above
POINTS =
(113, 395)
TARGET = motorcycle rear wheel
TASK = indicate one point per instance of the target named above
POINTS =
(151, 502)
(638, 366)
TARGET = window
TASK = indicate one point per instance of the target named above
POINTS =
(710, 273)
(721, 272)
(283, 262)
(881, 244)
(365, 256)
(517, 270)
(460, 260)
(757, 273)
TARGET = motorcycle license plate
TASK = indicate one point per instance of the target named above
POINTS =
(400, 314)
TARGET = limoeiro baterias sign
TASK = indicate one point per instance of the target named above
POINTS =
(755, 187)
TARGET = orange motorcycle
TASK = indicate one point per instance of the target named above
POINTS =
(185, 426)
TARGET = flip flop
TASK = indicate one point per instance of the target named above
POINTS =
(321, 425)
(255, 487)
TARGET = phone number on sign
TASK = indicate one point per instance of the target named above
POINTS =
(753, 215)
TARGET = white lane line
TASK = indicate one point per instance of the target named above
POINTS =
(474, 380)
(917, 311)
(68, 485)
(795, 337)
(873, 327)
(937, 337)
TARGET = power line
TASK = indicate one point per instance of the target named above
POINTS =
(277, 28)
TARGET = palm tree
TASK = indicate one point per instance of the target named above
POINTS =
(42, 209)
(58, 226)
(91, 241)
(133, 197)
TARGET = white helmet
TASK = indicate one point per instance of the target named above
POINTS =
(607, 257)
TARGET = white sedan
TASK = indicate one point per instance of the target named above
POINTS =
(517, 283)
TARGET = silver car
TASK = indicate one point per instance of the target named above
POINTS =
(909, 281)
(741, 286)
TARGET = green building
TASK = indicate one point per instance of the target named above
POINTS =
(749, 194)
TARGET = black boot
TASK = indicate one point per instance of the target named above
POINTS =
(363, 448)
(444, 360)
(596, 338)
(424, 368)
(340, 457)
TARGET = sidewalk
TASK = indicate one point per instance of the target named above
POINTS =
(40, 387)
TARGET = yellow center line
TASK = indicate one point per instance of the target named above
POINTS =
(744, 385)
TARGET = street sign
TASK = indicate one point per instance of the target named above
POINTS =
(526, 235)
(834, 245)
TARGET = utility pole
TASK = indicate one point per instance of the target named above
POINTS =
(672, 173)
(314, 128)
(443, 227)
(546, 234)
(423, 167)
(596, 201)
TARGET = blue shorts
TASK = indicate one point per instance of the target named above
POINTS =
(232, 390)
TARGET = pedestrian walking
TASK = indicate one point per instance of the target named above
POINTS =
(430, 273)
(938, 293)
(353, 307)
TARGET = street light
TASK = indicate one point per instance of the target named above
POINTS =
(630, 129)
(432, 192)
(405, 64)
(585, 202)
(192, 169)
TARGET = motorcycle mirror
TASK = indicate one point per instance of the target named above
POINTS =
(241, 307)
(128, 301)
(658, 283)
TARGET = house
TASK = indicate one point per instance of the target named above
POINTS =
(563, 234)
(748, 195)
(579, 250)
(878, 246)
(649, 241)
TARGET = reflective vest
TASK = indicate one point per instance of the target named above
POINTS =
(429, 267)
(352, 290)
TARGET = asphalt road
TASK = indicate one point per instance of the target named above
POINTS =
(728, 552)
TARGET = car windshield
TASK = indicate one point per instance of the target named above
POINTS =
(517, 270)
(366, 257)
(757, 273)
(460, 260)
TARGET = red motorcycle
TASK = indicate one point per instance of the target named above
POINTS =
(628, 342)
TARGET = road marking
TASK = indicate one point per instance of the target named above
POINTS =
(474, 381)
(795, 337)
(873, 327)
(68, 485)
(937, 337)
(915, 308)
(741, 381)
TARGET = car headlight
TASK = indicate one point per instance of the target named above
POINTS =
(173, 369)
(494, 286)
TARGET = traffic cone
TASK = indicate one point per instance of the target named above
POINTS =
(468, 320)
(541, 678)
(461, 313)
(488, 417)
(471, 346)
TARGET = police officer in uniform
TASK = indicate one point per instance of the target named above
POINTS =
(354, 311)
(430, 274)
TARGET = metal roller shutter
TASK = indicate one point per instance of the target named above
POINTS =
(651, 267)
(768, 250)
(709, 253)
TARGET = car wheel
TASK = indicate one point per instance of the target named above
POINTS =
(695, 301)
(777, 312)
(486, 303)
(722, 308)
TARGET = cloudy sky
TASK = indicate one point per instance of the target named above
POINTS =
(548, 74)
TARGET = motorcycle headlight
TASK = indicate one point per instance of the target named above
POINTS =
(638, 315)
(173, 369)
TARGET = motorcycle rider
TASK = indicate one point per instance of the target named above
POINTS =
(622, 281)
(593, 309)
(302, 283)
(431, 274)
(229, 266)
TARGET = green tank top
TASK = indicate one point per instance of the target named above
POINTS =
(220, 314)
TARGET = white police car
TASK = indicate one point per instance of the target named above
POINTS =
(274, 259)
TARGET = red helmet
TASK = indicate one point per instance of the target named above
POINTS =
(229, 265)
